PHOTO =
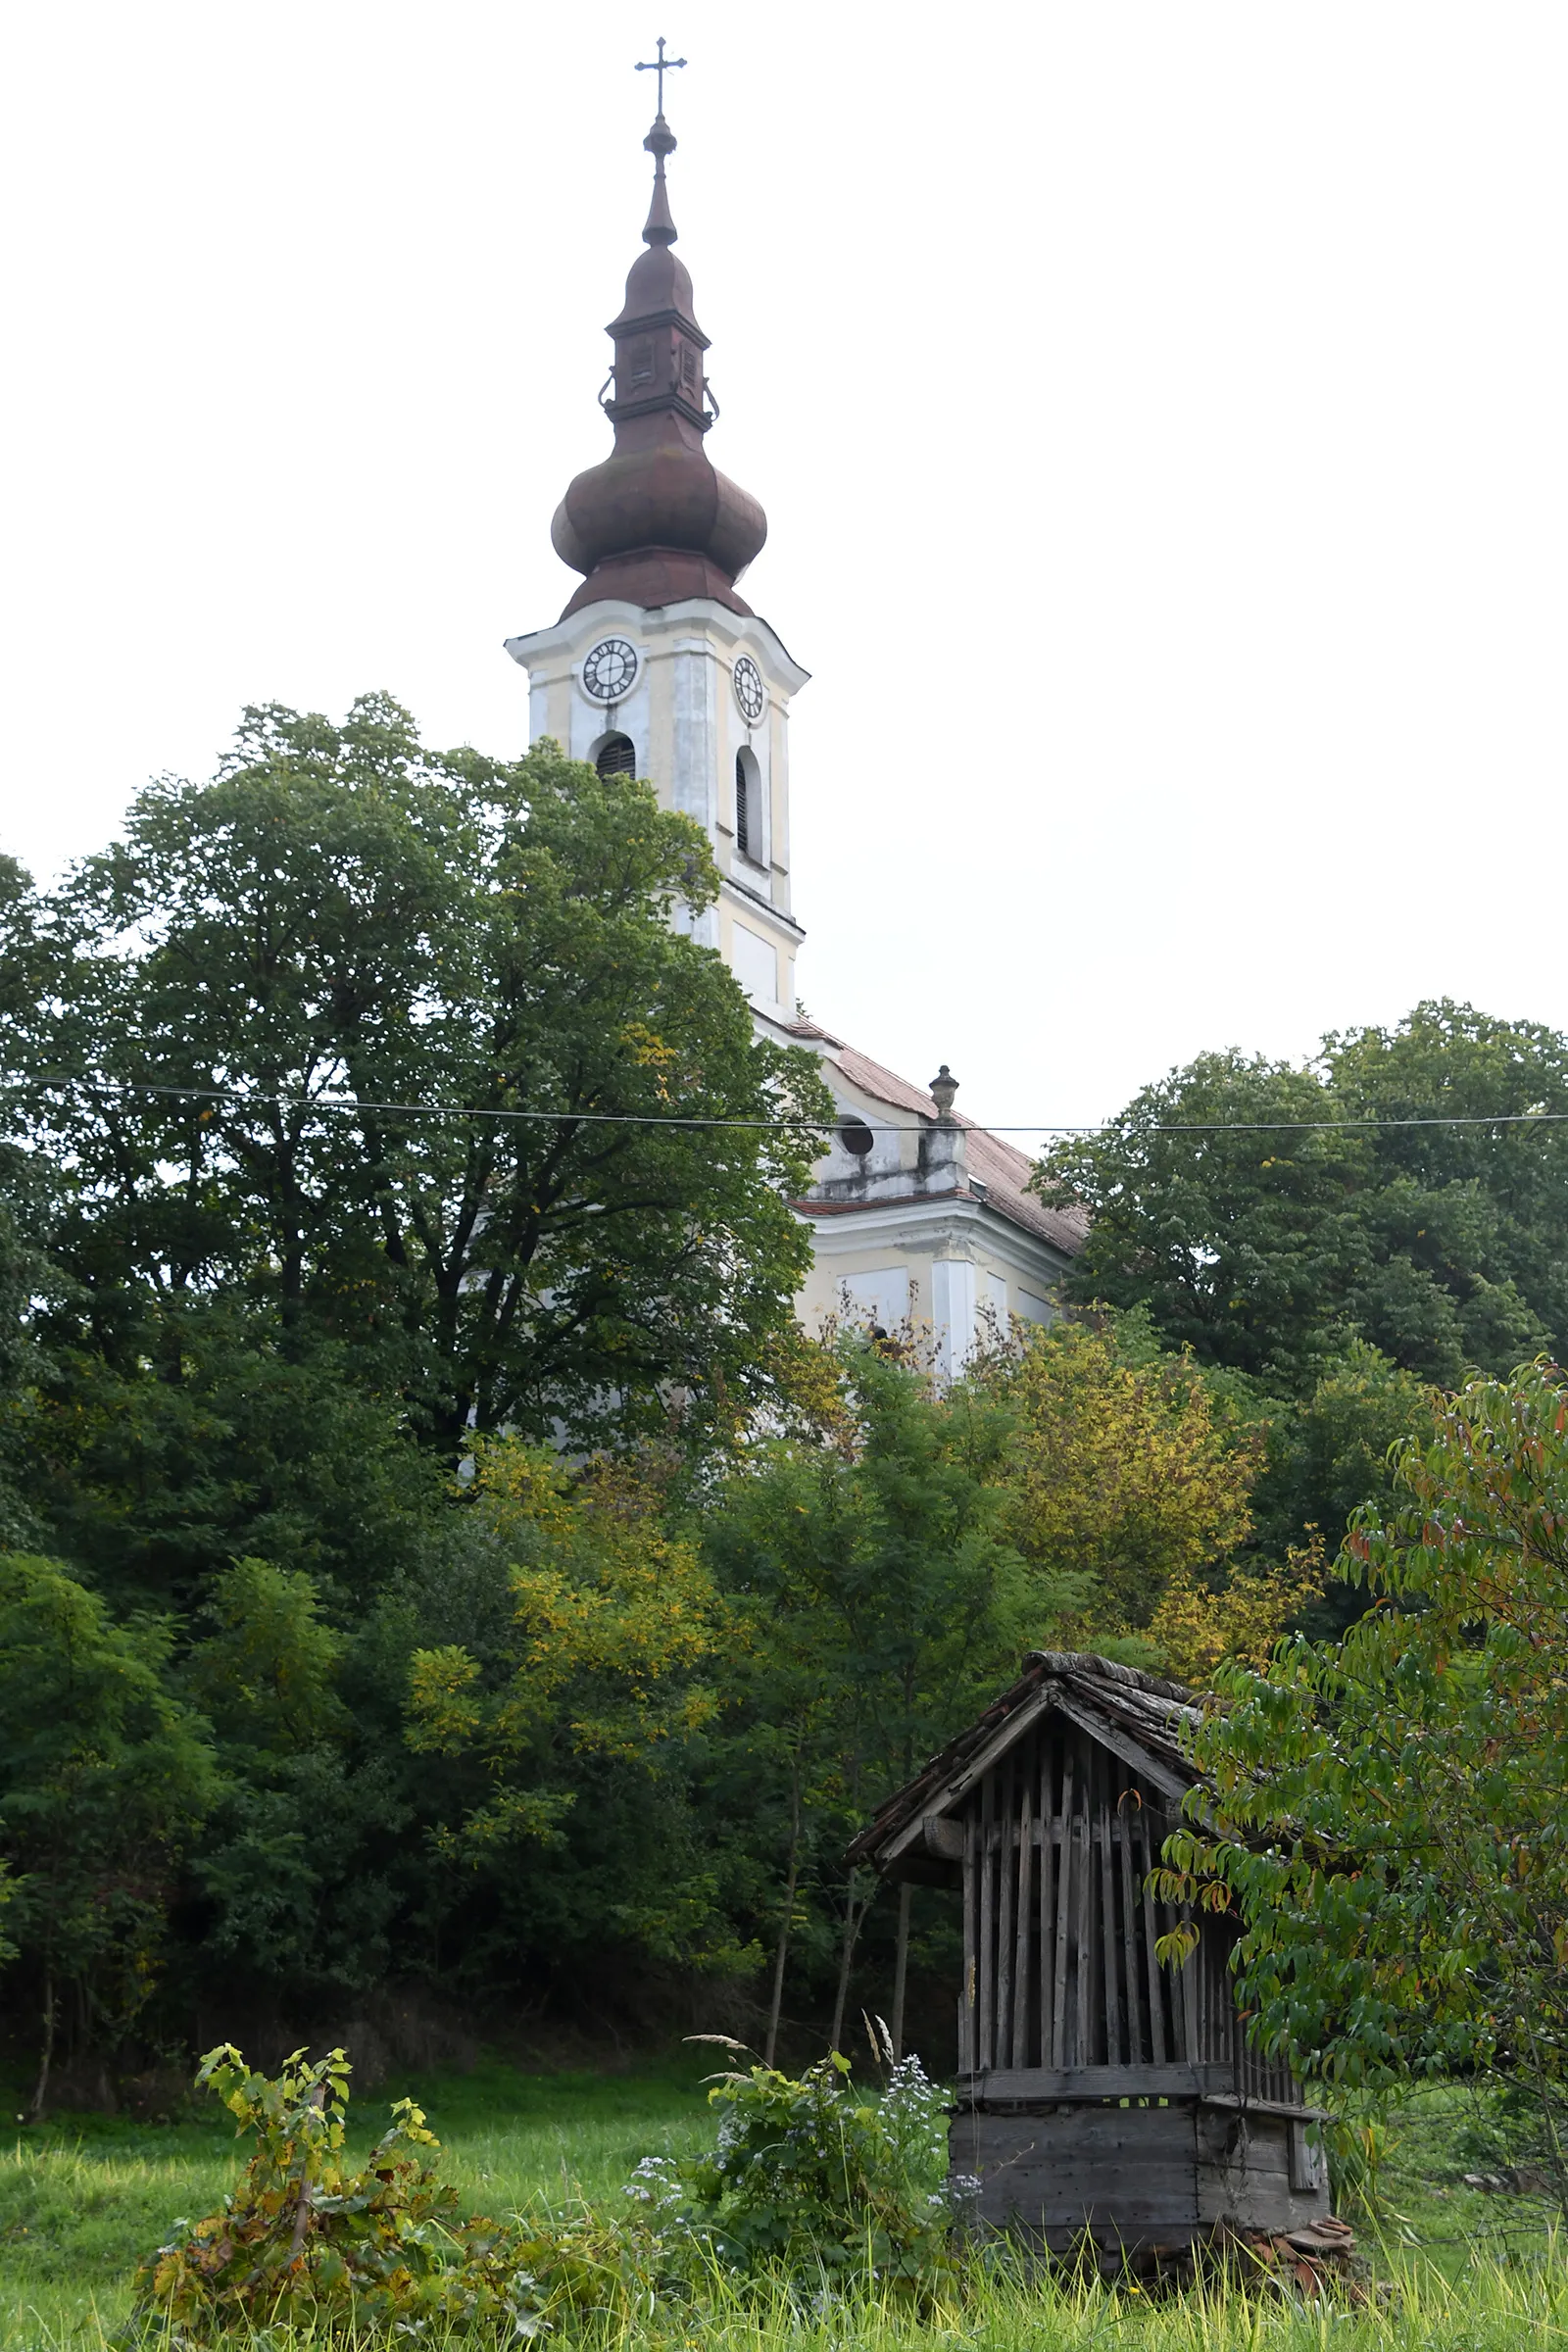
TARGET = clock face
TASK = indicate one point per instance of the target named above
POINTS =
(610, 669)
(750, 692)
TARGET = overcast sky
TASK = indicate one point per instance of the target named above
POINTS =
(1160, 409)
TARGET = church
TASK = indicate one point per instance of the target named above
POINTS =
(659, 668)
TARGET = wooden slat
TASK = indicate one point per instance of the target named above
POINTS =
(1046, 1953)
(1082, 2053)
(1019, 2054)
(968, 2057)
(1152, 1968)
(1026, 2084)
(1006, 1876)
(987, 2049)
(1187, 1987)
(1059, 1994)
(1115, 2046)
(1136, 2044)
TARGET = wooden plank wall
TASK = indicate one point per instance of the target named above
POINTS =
(1059, 1927)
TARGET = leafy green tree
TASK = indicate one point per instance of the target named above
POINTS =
(366, 1037)
(105, 1778)
(153, 1475)
(1266, 1216)
(876, 1594)
(1389, 1814)
(1122, 1478)
(1478, 1203)
(570, 1742)
(1327, 1454)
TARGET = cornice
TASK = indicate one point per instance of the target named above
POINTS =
(715, 620)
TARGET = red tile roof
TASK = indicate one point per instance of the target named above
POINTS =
(1000, 1166)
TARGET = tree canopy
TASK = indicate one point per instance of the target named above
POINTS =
(1386, 1812)
(1266, 1216)
(392, 1047)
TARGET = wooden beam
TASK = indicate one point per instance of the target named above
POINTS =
(1157, 1989)
(1028, 2083)
(1059, 1998)
(1007, 1787)
(1122, 1743)
(969, 2056)
(1115, 2048)
(1019, 2052)
(1083, 1871)
(1047, 1898)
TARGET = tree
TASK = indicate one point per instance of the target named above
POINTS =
(877, 1595)
(1266, 1216)
(1122, 1477)
(575, 1734)
(104, 1780)
(394, 1048)
(1389, 1814)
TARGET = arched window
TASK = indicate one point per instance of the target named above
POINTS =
(616, 757)
(748, 806)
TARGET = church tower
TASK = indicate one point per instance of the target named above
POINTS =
(657, 668)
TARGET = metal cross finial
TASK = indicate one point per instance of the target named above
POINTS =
(661, 65)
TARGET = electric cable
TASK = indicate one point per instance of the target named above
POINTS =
(889, 1127)
(260, 1099)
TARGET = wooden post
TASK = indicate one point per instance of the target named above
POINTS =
(1047, 1901)
(777, 2004)
(1157, 1989)
(1082, 1868)
(901, 1968)
(1115, 2050)
(1019, 2055)
(971, 1922)
(1058, 1997)
(1129, 1921)
(854, 1917)
(1006, 1825)
(985, 2054)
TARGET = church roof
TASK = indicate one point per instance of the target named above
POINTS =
(1000, 1166)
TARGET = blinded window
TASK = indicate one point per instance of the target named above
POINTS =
(743, 810)
(616, 757)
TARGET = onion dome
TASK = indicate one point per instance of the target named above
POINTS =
(658, 522)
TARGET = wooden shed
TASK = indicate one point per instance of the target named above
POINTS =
(1096, 2089)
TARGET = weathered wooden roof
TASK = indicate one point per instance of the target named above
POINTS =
(1138, 1716)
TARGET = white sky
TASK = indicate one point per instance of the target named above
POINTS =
(1161, 413)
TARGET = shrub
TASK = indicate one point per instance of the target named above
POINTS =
(814, 2174)
(304, 2241)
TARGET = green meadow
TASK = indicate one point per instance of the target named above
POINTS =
(1454, 2270)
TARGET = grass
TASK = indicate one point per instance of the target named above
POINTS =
(82, 2199)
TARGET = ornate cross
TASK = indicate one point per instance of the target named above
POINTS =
(663, 66)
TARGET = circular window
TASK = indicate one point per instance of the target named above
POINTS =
(856, 1136)
(750, 692)
(610, 669)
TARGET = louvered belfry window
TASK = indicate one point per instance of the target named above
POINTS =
(617, 757)
(742, 808)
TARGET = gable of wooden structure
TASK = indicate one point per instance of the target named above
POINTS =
(1049, 1814)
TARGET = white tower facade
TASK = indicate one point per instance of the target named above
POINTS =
(695, 696)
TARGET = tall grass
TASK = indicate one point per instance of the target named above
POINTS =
(1492, 2307)
(80, 2207)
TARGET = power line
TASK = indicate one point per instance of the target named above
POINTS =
(638, 1118)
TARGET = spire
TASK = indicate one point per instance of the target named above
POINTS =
(660, 227)
(657, 522)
